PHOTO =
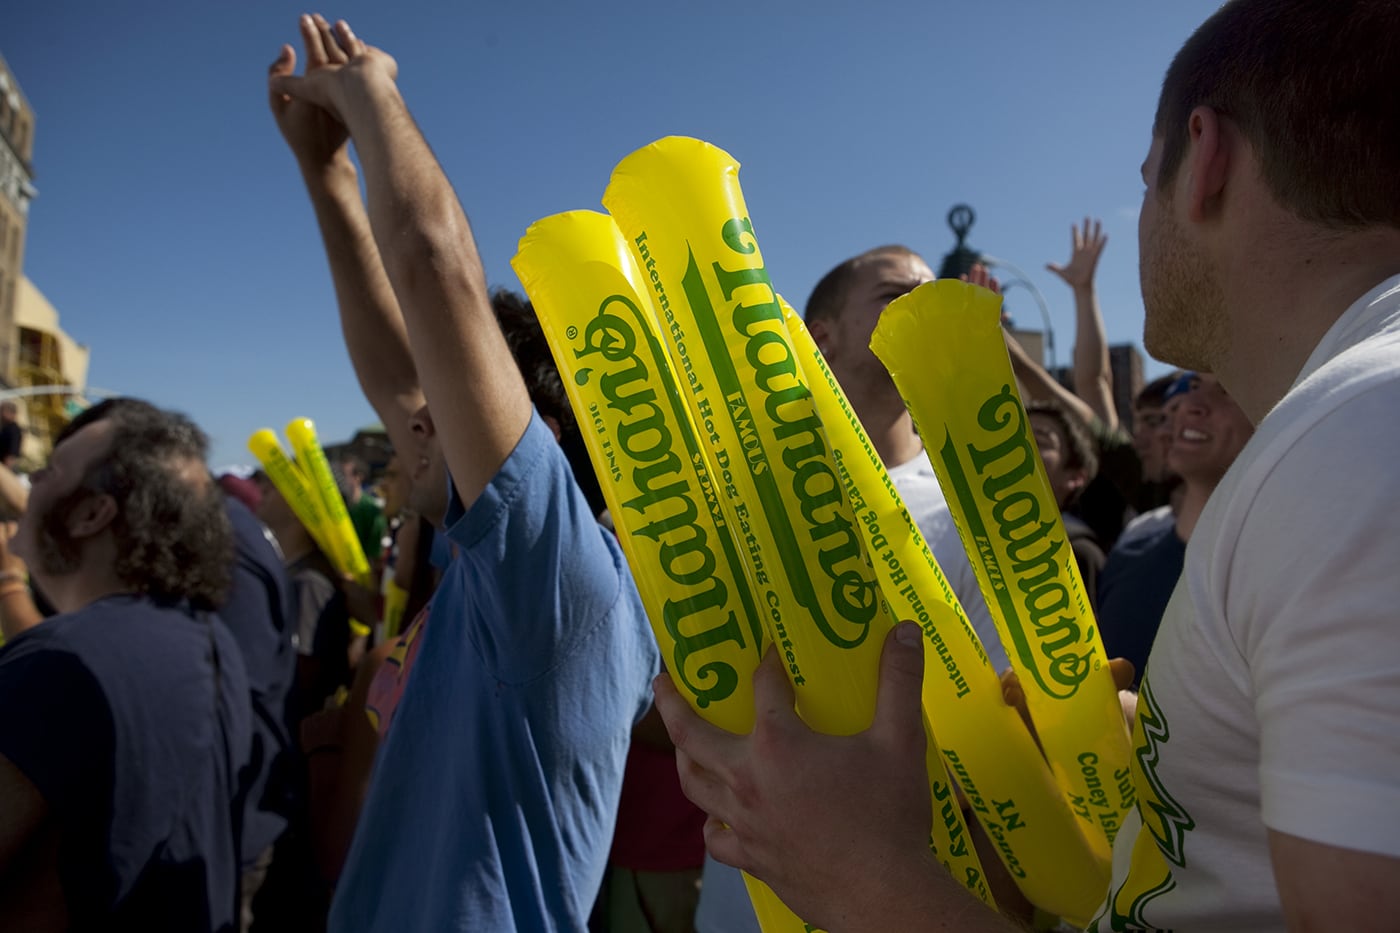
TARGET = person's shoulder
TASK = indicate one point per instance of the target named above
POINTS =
(49, 638)
(1149, 542)
(1341, 415)
(55, 658)
(1148, 524)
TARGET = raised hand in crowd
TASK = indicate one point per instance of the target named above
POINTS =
(370, 317)
(317, 138)
(1086, 245)
(433, 274)
(1093, 376)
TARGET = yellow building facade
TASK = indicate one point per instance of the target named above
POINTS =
(46, 358)
(16, 191)
(35, 353)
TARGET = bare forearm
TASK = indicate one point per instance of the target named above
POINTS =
(1040, 385)
(432, 263)
(14, 497)
(369, 313)
(1093, 376)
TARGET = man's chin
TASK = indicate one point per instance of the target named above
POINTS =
(1171, 349)
(430, 507)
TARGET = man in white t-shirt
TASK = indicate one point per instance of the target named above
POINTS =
(1266, 751)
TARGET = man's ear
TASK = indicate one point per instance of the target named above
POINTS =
(1207, 161)
(820, 329)
(91, 517)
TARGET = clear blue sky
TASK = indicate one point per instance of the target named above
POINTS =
(172, 234)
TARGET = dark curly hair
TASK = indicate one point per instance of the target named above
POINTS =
(173, 538)
(525, 337)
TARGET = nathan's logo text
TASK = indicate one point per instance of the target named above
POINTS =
(697, 612)
(1059, 658)
(792, 427)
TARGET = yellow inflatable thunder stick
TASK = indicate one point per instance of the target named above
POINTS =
(395, 602)
(944, 346)
(656, 479)
(679, 204)
(662, 499)
(986, 746)
(289, 480)
(345, 550)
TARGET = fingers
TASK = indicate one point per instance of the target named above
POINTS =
(348, 40)
(312, 41)
(335, 55)
(723, 843)
(899, 714)
(773, 699)
(1011, 692)
(703, 787)
(708, 744)
(1123, 672)
(1014, 695)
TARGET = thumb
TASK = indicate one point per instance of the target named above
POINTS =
(1055, 268)
(899, 717)
(300, 87)
(286, 62)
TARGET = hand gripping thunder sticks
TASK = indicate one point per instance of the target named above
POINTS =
(985, 745)
(655, 477)
(679, 204)
(945, 349)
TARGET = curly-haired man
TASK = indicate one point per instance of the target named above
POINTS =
(127, 722)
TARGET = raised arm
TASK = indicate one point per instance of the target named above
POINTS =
(1034, 379)
(461, 358)
(1093, 377)
(1040, 385)
(369, 313)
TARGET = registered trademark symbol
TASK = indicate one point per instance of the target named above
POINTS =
(571, 332)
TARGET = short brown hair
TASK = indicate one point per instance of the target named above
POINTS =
(1313, 86)
(829, 297)
(1082, 453)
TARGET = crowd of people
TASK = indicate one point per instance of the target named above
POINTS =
(208, 728)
